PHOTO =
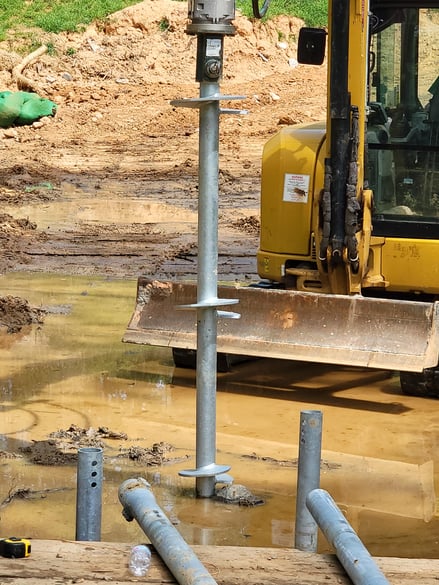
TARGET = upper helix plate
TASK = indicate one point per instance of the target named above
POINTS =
(198, 102)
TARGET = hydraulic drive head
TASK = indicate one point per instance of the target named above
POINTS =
(211, 16)
(210, 20)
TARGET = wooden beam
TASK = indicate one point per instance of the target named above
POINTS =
(53, 562)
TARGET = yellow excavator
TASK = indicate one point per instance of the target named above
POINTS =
(349, 240)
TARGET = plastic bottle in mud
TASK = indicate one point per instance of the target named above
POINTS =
(140, 560)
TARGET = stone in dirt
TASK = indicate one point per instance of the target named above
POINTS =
(238, 494)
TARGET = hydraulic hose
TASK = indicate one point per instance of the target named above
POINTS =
(260, 12)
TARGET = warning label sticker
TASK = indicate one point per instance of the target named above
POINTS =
(213, 47)
(296, 188)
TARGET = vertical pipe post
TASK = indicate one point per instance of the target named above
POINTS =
(308, 478)
(89, 494)
(351, 552)
(210, 21)
(207, 287)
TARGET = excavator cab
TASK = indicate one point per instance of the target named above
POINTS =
(403, 126)
(349, 235)
(390, 227)
(403, 155)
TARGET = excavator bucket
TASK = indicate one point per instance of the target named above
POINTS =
(338, 329)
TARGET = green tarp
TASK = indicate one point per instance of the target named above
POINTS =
(20, 108)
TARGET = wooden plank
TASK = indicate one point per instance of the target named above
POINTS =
(53, 562)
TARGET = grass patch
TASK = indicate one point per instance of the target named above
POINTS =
(55, 16)
(312, 12)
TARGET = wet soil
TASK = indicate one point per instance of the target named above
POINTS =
(16, 313)
(109, 185)
(107, 190)
(72, 383)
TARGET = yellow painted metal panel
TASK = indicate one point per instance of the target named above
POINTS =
(287, 190)
(411, 265)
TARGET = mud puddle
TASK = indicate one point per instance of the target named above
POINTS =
(79, 205)
(94, 225)
(71, 380)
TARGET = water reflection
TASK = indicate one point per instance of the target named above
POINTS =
(76, 206)
(380, 448)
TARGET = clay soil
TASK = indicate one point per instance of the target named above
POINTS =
(116, 136)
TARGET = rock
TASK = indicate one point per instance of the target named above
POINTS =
(238, 494)
(10, 133)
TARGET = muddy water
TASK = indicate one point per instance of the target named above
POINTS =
(80, 206)
(379, 448)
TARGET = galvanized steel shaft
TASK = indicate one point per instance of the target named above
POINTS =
(139, 503)
(207, 287)
(89, 494)
(308, 477)
(351, 552)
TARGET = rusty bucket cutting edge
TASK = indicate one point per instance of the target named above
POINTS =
(337, 329)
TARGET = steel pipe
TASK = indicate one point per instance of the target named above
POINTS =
(207, 288)
(89, 494)
(139, 504)
(210, 21)
(308, 478)
(208, 304)
(351, 552)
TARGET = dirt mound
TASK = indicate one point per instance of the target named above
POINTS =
(121, 63)
(147, 43)
(16, 313)
(61, 448)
